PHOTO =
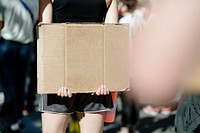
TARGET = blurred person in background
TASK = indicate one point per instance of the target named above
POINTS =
(16, 37)
(126, 7)
(145, 11)
(129, 108)
(31, 90)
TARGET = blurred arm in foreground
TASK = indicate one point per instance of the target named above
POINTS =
(166, 50)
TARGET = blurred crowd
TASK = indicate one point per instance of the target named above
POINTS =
(17, 61)
(18, 64)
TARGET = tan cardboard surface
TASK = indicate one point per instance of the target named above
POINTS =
(82, 57)
(116, 57)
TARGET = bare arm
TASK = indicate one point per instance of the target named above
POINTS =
(112, 14)
(46, 11)
(162, 55)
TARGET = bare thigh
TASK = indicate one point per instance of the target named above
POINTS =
(91, 122)
(54, 123)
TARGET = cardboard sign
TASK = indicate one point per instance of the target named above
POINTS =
(82, 57)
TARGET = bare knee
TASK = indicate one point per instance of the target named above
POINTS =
(54, 123)
(91, 122)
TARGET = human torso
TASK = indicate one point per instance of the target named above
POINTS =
(79, 10)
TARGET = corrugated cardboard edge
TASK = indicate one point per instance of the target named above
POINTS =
(65, 59)
(81, 23)
(39, 66)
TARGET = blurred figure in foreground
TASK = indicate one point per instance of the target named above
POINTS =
(164, 51)
(163, 56)
(16, 37)
(146, 12)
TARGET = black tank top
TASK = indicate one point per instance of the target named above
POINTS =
(79, 10)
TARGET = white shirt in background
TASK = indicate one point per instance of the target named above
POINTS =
(18, 25)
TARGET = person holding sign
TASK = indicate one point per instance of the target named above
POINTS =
(91, 107)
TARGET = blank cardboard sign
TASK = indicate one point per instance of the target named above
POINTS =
(82, 57)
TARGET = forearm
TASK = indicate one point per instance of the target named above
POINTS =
(46, 11)
(112, 13)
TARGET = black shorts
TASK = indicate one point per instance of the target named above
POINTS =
(81, 102)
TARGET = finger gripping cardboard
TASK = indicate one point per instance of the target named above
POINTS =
(82, 57)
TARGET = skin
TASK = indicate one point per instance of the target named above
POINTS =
(164, 52)
(57, 123)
